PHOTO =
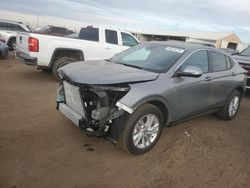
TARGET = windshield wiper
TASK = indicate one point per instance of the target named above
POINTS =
(129, 65)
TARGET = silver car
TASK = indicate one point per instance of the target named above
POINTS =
(131, 97)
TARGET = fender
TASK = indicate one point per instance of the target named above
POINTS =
(119, 123)
(157, 98)
(60, 49)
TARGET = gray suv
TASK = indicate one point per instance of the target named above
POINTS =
(131, 97)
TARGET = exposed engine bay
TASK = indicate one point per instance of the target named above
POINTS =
(97, 104)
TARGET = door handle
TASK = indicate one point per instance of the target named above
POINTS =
(107, 48)
(233, 74)
(208, 78)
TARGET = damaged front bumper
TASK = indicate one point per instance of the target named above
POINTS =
(93, 108)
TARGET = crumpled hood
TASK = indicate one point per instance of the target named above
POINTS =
(240, 58)
(104, 72)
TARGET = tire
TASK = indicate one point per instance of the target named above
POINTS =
(128, 139)
(231, 107)
(12, 44)
(61, 62)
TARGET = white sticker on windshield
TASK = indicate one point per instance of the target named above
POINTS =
(177, 50)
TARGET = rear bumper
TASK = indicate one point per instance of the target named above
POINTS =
(25, 58)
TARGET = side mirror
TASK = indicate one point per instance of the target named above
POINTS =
(190, 71)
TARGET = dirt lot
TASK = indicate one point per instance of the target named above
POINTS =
(39, 147)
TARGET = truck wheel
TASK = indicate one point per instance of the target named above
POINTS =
(231, 107)
(142, 129)
(12, 44)
(61, 62)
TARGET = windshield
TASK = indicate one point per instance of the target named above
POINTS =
(246, 52)
(152, 57)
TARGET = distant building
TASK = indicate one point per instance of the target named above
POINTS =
(219, 40)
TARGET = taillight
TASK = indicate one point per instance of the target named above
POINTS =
(33, 44)
(246, 72)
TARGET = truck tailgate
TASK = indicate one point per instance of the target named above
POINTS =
(22, 42)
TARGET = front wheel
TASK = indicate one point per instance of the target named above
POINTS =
(142, 129)
(61, 62)
(231, 107)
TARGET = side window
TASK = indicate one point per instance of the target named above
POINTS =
(111, 36)
(3, 26)
(198, 59)
(218, 61)
(128, 40)
(89, 33)
(17, 28)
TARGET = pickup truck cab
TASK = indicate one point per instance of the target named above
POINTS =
(53, 52)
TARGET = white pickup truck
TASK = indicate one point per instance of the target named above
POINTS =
(52, 52)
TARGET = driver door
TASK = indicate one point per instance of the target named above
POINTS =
(192, 94)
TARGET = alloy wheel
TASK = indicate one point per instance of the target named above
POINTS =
(146, 131)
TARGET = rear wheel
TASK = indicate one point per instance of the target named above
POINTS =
(60, 62)
(142, 129)
(12, 44)
(231, 107)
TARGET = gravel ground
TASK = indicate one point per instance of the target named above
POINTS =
(39, 147)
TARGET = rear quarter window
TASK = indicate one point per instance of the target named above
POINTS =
(217, 61)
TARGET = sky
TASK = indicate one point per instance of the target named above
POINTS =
(136, 15)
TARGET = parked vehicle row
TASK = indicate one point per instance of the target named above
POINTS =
(132, 96)
(53, 52)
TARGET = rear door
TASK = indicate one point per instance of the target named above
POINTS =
(111, 44)
(223, 78)
(192, 94)
(91, 48)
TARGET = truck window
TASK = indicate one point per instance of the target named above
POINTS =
(16, 27)
(111, 36)
(128, 40)
(89, 33)
(3, 26)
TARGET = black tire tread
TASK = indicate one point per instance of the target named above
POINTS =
(223, 113)
(124, 140)
(58, 63)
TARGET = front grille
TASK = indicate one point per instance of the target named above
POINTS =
(73, 98)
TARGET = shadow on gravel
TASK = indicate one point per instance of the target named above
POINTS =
(37, 75)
